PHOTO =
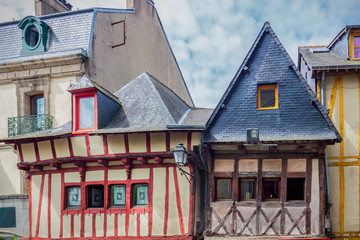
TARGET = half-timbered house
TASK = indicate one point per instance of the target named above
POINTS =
(264, 147)
(110, 172)
(332, 71)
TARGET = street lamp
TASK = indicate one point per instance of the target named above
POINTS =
(180, 157)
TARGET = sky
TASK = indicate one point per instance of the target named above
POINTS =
(210, 38)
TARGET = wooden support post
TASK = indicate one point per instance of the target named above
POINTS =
(259, 197)
(308, 180)
(283, 193)
(322, 190)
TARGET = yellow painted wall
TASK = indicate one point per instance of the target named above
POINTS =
(137, 142)
(344, 157)
(62, 148)
(55, 205)
(96, 145)
(173, 227)
(159, 201)
(45, 150)
(158, 142)
(79, 146)
(178, 137)
(116, 143)
(35, 193)
(7, 98)
(28, 151)
(314, 204)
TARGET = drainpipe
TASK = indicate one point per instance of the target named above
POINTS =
(329, 204)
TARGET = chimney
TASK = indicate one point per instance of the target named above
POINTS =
(130, 4)
(45, 7)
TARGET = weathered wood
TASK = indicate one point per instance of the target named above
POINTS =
(308, 195)
(322, 190)
(283, 194)
(143, 160)
(223, 174)
(210, 182)
(222, 221)
(273, 149)
(258, 197)
(242, 149)
(267, 155)
(246, 222)
(300, 149)
(296, 174)
(158, 160)
(235, 181)
(103, 162)
(270, 222)
(295, 224)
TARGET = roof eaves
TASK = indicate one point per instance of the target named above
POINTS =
(338, 36)
(232, 83)
(104, 91)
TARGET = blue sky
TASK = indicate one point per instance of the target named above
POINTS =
(210, 38)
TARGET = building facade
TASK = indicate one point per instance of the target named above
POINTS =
(110, 171)
(332, 71)
(265, 145)
(42, 56)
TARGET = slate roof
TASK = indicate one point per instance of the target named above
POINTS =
(69, 30)
(324, 60)
(147, 105)
(300, 116)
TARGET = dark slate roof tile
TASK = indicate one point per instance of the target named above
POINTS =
(300, 115)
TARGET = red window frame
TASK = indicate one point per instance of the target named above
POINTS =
(76, 111)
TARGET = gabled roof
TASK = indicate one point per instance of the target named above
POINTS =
(326, 60)
(342, 32)
(300, 115)
(86, 82)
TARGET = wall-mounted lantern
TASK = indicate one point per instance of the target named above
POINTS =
(180, 157)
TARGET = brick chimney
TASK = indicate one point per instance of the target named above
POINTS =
(44, 7)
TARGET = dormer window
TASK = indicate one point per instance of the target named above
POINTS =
(267, 97)
(35, 34)
(355, 44)
(85, 111)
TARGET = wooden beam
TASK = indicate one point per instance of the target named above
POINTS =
(268, 155)
(242, 149)
(56, 165)
(300, 149)
(273, 149)
(142, 160)
(159, 160)
(103, 162)
(283, 193)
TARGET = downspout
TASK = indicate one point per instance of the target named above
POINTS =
(329, 204)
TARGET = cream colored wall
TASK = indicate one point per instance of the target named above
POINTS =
(344, 165)
(146, 50)
(60, 99)
(8, 107)
(11, 178)
(159, 177)
(314, 204)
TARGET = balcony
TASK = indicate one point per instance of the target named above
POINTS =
(29, 124)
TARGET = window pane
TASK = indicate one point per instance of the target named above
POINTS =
(141, 194)
(267, 98)
(74, 196)
(37, 105)
(96, 196)
(271, 188)
(356, 41)
(223, 189)
(118, 195)
(356, 52)
(86, 112)
(295, 189)
(247, 189)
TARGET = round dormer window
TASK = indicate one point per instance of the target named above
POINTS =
(32, 36)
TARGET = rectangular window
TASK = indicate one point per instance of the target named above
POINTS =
(85, 111)
(356, 46)
(140, 194)
(247, 189)
(267, 97)
(118, 195)
(73, 196)
(37, 104)
(223, 188)
(95, 195)
(271, 189)
(295, 189)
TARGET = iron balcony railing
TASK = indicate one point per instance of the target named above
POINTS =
(29, 124)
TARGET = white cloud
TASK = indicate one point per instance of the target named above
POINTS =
(210, 38)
